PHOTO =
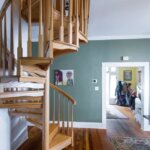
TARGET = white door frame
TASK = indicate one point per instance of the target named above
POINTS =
(145, 104)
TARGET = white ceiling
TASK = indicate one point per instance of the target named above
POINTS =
(119, 19)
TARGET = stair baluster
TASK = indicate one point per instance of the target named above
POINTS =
(58, 110)
(5, 46)
(70, 28)
(1, 50)
(61, 32)
(54, 96)
(40, 52)
(20, 49)
(77, 23)
(29, 29)
(11, 55)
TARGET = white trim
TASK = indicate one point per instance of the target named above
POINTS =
(145, 124)
(118, 37)
(89, 125)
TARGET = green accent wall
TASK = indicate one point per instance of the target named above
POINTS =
(87, 65)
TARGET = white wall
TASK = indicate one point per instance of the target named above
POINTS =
(4, 130)
(115, 19)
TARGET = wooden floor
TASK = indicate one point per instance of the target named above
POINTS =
(93, 139)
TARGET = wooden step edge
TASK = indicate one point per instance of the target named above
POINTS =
(35, 122)
(63, 46)
(25, 114)
(21, 105)
(14, 84)
(34, 60)
(60, 141)
(21, 94)
(32, 79)
(83, 37)
(53, 130)
(27, 98)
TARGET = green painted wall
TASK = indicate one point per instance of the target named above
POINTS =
(87, 65)
(134, 76)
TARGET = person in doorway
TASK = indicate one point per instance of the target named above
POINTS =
(118, 93)
(128, 94)
(123, 94)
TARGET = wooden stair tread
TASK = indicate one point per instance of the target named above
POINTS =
(83, 37)
(62, 48)
(53, 130)
(21, 105)
(26, 114)
(36, 122)
(64, 45)
(21, 94)
(60, 141)
(32, 79)
(17, 84)
(39, 61)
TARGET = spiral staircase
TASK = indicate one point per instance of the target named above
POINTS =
(24, 80)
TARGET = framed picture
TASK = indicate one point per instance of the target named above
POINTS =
(64, 77)
(127, 75)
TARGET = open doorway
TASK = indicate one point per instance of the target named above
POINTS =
(125, 92)
(123, 74)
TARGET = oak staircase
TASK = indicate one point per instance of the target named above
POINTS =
(24, 80)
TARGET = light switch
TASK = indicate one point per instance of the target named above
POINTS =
(96, 88)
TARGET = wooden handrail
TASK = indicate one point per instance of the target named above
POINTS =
(70, 98)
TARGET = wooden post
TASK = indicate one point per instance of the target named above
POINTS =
(29, 29)
(82, 10)
(51, 35)
(46, 21)
(46, 114)
(72, 131)
(40, 31)
(48, 26)
(5, 46)
(11, 65)
(20, 50)
(77, 24)
(54, 107)
(61, 32)
(1, 44)
(86, 14)
(70, 22)
(59, 110)
(68, 118)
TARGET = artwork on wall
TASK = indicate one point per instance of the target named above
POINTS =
(127, 75)
(64, 77)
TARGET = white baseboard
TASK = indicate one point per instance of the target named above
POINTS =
(89, 125)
